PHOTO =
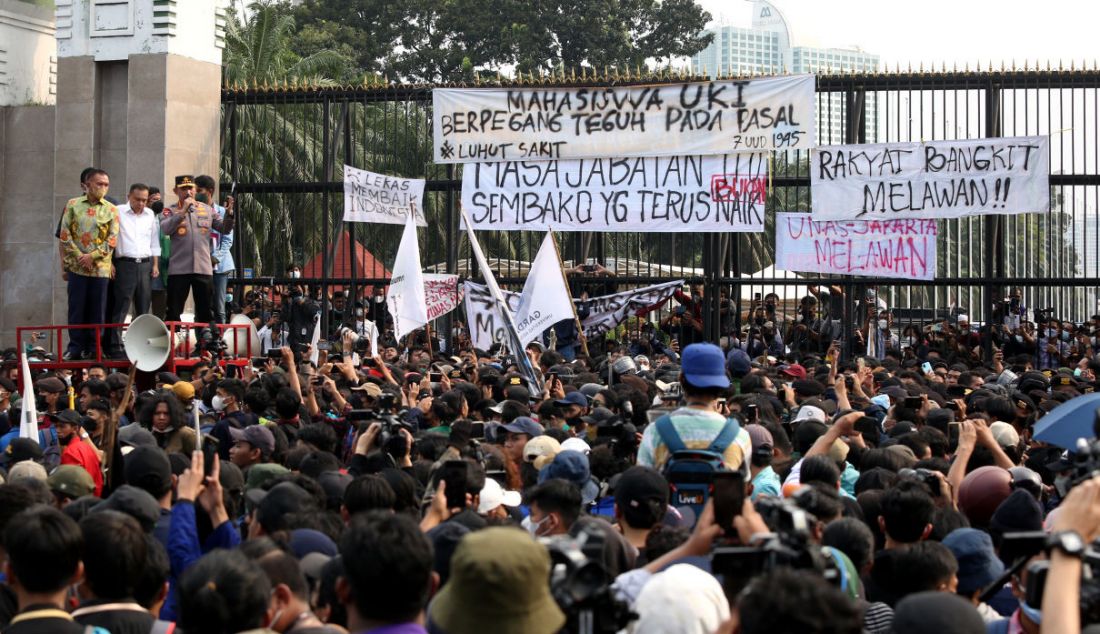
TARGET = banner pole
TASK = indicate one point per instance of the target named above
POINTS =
(572, 304)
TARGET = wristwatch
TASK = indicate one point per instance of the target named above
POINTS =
(1068, 542)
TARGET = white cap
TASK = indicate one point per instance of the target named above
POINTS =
(810, 412)
(1005, 434)
(962, 318)
(576, 444)
(493, 495)
(682, 599)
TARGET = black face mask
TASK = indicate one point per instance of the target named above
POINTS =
(40, 403)
(574, 422)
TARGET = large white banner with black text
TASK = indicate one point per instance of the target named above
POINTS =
(532, 124)
(934, 179)
(721, 193)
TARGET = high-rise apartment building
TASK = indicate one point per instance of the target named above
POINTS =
(766, 48)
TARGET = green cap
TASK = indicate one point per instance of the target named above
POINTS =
(499, 576)
(260, 474)
(71, 480)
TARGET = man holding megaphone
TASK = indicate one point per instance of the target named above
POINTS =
(188, 224)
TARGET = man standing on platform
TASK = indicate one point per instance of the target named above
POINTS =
(222, 255)
(136, 262)
(188, 223)
(89, 232)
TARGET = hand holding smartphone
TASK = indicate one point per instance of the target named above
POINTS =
(729, 497)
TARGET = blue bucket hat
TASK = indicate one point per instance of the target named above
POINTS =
(979, 565)
(572, 466)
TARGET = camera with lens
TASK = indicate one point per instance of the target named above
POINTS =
(581, 586)
(1037, 573)
(208, 340)
(390, 439)
(788, 546)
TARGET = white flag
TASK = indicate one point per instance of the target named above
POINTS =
(545, 299)
(28, 424)
(315, 353)
(405, 297)
(534, 384)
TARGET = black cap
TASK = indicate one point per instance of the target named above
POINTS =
(185, 180)
(7, 384)
(65, 416)
(134, 502)
(20, 449)
(147, 468)
(642, 487)
(808, 388)
(167, 377)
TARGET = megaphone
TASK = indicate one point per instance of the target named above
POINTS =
(237, 340)
(147, 344)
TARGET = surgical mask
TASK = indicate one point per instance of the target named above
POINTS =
(882, 324)
(1052, 332)
(295, 274)
(1019, 338)
(98, 192)
(533, 527)
(1065, 335)
(1034, 615)
(378, 299)
(229, 298)
(912, 340)
(40, 403)
(359, 312)
(218, 403)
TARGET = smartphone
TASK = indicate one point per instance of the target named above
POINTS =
(951, 405)
(953, 434)
(728, 492)
(368, 363)
(231, 371)
(324, 345)
(209, 453)
(913, 402)
(926, 367)
(454, 472)
(259, 362)
(435, 377)
(477, 430)
(588, 268)
(752, 412)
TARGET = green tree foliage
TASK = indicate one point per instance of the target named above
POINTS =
(446, 40)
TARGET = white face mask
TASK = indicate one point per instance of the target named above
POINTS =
(295, 274)
(218, 403)
(882, 324)
(359, 312)
(533, 527)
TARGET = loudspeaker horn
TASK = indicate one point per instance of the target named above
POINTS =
(147, 343)
(237, 340)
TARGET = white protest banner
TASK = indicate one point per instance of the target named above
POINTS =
(405, 294)
(881, 248)
(28, 423)
(545, 298)
(531, 124)
(598, 314)
(723, 193)
(441, 294)
(371, 197)
(935, 179)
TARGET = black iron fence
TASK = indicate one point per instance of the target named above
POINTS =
(283, 149)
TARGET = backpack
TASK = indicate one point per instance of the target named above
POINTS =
(690, 472)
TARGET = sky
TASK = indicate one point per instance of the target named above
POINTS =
(951, 31)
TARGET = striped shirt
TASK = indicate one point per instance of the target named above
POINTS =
(697, 428)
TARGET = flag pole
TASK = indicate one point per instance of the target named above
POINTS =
(572, 305)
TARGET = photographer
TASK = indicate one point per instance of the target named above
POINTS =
(1076, 523)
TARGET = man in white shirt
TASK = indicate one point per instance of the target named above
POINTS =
(135, 263)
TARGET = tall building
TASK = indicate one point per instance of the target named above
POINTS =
(766, 48)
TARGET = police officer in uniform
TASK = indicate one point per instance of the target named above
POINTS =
(188, 224)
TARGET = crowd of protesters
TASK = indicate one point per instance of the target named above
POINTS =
(292, 496)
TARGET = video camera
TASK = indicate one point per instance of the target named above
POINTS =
(390, 439)
(788, 546)
(581, 586)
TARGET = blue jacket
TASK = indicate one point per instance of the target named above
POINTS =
(184, 548)
(223, 248)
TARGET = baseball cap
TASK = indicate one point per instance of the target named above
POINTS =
(71, 480)
(762, 441)
(739, 362)
(259, 436)
(524, 425)
(134, 435)
(27, 470)
(809, 412)
(641, 486)
(1005, 434)
(795, 370)
(573, 398)
(134, 502)
(598, 415)
(183, 390)
(576, 444)
(372, 389)
(572, 466)
(148, 468)
(808, 387)
(704, 365)
(540, 447)
(493, 495)
(936, 612)
(261, 474)
(168, 378)
(20, 449)
(306, 541)
(67, 416)
(50, 384)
